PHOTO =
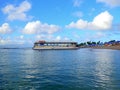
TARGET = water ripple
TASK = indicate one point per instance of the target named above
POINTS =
(84, 69)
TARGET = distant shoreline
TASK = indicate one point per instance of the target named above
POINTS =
(15, 48)
(115, 47)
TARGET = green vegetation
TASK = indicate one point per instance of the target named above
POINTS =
(98, 43)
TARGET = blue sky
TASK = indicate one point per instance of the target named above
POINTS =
(26, 21)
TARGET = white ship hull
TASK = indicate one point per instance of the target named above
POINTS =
(54, 48)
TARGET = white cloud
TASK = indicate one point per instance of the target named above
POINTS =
(2, 41)
(92, 11)
(77, 3)
(41, 36)
(5, 28)
(80, 24)
(99, 35)
(18, 40)
(103, 21)
(50, 37)
(58, 38)
(17, 12)
(111, 3)
(21, 37)
(36, 27)
(78, 14)
(5, 40)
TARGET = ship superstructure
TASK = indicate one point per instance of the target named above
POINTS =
(54, 45)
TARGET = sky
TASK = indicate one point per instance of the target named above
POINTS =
(22, 22)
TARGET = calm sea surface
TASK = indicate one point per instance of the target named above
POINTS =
(83, 69)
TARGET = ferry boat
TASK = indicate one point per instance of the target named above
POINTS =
(43, 45)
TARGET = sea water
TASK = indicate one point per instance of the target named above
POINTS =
(83, 69)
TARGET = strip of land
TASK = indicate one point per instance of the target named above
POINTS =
(116, 47)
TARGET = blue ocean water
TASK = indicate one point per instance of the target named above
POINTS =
(83, 69)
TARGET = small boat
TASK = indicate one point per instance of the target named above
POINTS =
(43, 45)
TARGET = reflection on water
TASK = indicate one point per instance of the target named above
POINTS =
(104, 67)
(84, 69)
